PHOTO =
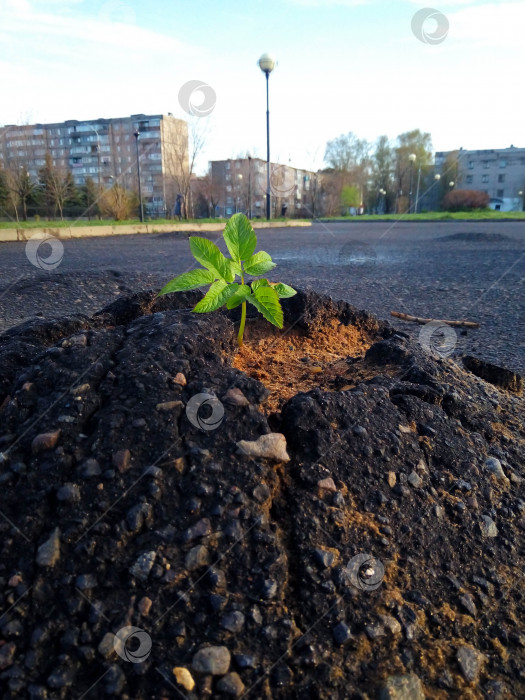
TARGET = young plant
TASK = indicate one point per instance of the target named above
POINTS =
(221, 272)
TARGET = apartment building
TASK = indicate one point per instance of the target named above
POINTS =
(499, 172)
(239, 185)
(106, 151)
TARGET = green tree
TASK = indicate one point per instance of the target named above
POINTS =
(382, 172)
(420, 144)
(350, 197)
(348, 161)
(89, 197)
(4, 192)
(347, 153)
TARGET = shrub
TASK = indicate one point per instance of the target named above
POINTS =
(465, 200)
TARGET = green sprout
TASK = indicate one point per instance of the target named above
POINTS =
(220, 272)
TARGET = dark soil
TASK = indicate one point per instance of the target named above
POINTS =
(387, 553)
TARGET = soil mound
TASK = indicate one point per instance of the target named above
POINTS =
(160, 538)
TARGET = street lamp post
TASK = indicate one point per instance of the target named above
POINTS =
(382, 199)
(412, 159)
(520, 194)
(437, 178)
(267, 64)
(239, 193)
(136, 135)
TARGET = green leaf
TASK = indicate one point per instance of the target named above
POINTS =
(258, 264)
(240, 237)
(266, 300)
(283, 290)
(260, 283)
(240, 295)
(207, 253)
(188, 280)
(216, 296)
(236, 267)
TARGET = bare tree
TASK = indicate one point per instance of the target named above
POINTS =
(118, 202)
(56, 185)
(181, 154)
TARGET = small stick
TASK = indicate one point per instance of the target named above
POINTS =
(422, 321)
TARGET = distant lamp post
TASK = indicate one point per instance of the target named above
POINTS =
(451, 184)
(239, 199)
(437, 178)
(382, 199)
(520, 194)
(267, 64)
(136, 134)
(412, 158)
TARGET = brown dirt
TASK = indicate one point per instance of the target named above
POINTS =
(295, 361)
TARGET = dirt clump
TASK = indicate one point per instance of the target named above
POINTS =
(143, 554)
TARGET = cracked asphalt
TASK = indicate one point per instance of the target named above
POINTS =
(444, 270)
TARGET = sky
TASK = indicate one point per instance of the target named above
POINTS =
(368, 66)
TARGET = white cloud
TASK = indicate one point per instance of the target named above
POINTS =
(22, 19)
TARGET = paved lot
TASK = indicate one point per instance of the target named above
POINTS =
(441, 270)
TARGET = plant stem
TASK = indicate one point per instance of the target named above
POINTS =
(243, 315)
(243, 321)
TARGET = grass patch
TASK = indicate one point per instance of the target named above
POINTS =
(435, 216)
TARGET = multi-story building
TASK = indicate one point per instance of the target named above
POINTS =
(105, 150)
(498, 172)
(239, 185)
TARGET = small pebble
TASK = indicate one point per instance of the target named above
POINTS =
(231, 684)
(180, 379)
(49, 552)
(271, 446)
(184, 678)
(121, 460)
(327, 484)
(212, 660)
(45, 441)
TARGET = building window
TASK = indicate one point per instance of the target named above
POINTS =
(471, 165)
(228, 188)
(485, 164)
(237, 165)
(484, 178)
(503, 164)
(228, 165)
(470, 178)
(501, 193)
(501, 178)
